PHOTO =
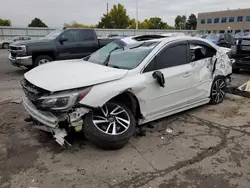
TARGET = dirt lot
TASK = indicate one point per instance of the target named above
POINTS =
(202, 148)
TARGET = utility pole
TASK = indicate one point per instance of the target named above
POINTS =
(136, 14)
(107, 8)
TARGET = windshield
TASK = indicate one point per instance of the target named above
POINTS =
(100, 55)
(121, 55)
(53, 34)
(130, 58)
(212, 37)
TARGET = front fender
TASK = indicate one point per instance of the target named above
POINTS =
(102, 93)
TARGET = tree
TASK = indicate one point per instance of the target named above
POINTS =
(74, 24)
(180, 22)
(157, 23)
(145, 24)
(5, 22)
(37, 23)
(116, 18)
(106, 22)
(192, 22)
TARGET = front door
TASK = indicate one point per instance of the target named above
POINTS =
(68, 49)
(172, 62)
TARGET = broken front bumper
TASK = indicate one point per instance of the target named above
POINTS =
(45, 118)
(49, 121)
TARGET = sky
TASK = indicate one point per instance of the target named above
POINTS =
(57, 12)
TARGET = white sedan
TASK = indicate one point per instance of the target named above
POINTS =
(121, 86)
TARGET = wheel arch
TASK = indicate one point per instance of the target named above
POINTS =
(131, 101)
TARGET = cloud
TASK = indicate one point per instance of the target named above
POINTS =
(56, 12)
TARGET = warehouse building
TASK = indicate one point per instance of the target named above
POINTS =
(233, 21)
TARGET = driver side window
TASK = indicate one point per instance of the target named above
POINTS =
(71, 35)
(172, 56)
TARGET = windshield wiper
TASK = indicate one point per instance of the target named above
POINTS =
(107, 59)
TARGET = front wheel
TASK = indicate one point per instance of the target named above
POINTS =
(42, 59)
(111, 126)
(218, 90)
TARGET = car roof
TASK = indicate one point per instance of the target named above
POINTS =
(131, 40)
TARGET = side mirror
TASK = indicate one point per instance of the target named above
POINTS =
(159, 77)
(63, 39)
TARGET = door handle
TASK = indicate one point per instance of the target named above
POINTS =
(187, 75)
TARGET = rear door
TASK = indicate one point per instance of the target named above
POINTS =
(201, 55)
(88, 42)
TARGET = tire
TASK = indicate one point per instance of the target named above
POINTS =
(218, 92)
(42, 59)
(96, 133)
(5, 46)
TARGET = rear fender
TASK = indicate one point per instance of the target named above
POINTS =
(222, 65)
(102, 93)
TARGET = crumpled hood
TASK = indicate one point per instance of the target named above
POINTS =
(71, 74)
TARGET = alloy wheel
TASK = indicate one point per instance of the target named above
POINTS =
(218, 90)
(111, 119)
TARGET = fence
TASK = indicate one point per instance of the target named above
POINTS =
(8, 32)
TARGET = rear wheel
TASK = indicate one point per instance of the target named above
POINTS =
(111, 126)
(42, 59)
(218, 90)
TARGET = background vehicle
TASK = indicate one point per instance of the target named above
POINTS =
(110, 92)
(241, 53)
(5, 43)
(241, 34)
(58, 45)
(224, 40)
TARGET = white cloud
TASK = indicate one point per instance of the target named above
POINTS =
(56, 12)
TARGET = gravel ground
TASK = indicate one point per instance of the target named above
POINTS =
(201, 148)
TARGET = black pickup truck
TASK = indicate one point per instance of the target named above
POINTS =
(240, 52)
(58, 45)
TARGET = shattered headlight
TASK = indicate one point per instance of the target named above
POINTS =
(62, 101)
(54, 102)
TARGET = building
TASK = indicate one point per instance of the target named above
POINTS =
(223, 21)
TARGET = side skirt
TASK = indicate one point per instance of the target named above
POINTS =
(176, 110)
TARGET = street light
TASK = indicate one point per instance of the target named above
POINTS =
(136, 15)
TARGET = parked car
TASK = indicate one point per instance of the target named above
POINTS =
(118, 87)
(224, 40)
(5, 43)
(58, 45)
(241, 34)
(241, 53)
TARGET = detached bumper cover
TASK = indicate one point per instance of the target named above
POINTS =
(49, 120)
(21, 61)
(45, 118)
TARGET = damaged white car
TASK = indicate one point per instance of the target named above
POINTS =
(119, 87)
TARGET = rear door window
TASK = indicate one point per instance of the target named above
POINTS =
(200, 51)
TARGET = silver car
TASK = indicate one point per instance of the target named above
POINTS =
(5, 43)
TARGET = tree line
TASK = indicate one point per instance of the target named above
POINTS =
(118, 18)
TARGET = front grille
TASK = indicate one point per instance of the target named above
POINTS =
(31, 91)
(13, 48)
